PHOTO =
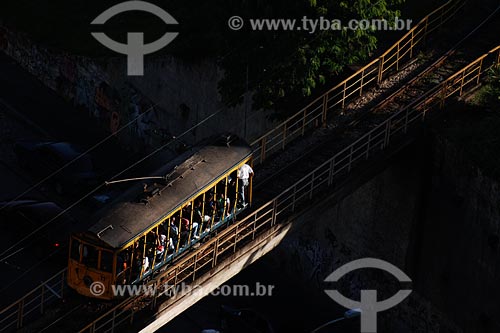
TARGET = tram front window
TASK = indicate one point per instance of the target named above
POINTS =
(106, 261)
(75, 249)
(90, 256)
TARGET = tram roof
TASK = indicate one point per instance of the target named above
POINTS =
(189, 174)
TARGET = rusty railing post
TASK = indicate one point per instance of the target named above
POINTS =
(330, 171)
(479, 73)
(20, 314)
(263, 149)
(462, 81)
(235, 238)
(380, 70)
(274, 213)
(412, 42)
(325, 108)
(397, 58)
(343, 95)
(425, 29)
(362, 83)
(214, 259)
(444, 91)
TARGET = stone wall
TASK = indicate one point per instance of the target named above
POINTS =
(173, 95)
(430, 213)
(458, 256)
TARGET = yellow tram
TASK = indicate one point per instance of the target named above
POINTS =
(150, 224)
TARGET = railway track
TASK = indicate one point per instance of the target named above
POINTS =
(461, 54)
(413, 78)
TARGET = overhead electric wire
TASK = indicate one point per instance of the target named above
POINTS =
(154, 152)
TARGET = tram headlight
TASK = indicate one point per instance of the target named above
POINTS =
(87, 280)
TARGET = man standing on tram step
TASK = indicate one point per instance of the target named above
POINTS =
(244, 173)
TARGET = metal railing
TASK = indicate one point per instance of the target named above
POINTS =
(309, 117)
(15, 314)
(235, 236)
(33, 303)
(315, 113)
(390, 132)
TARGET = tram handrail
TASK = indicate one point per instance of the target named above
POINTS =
(316, 112)
(375, 140)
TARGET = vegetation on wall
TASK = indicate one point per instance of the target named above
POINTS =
(489, 94)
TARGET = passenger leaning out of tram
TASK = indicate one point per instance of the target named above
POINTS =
(245, 172)
(188, 228)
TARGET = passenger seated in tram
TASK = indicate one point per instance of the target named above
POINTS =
(137, 265)
(198, 217)
(122, 261)
(163, 231)
(188, 228)
(223, 206)
(141, 265)
(121, 264)
(174, 234)
(145, 264)
(161, 244)
(211, 209)
(231, 190)
(151, 244)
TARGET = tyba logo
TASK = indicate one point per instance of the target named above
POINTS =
(368, 305)
(135, 49)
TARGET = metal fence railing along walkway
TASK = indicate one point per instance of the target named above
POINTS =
(36, 301)
(315, 113)
(33, 303)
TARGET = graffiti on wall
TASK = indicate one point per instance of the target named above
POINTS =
(107, 102)
(146, 120)
(66, 81)
(88, 78)
(86, 86)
